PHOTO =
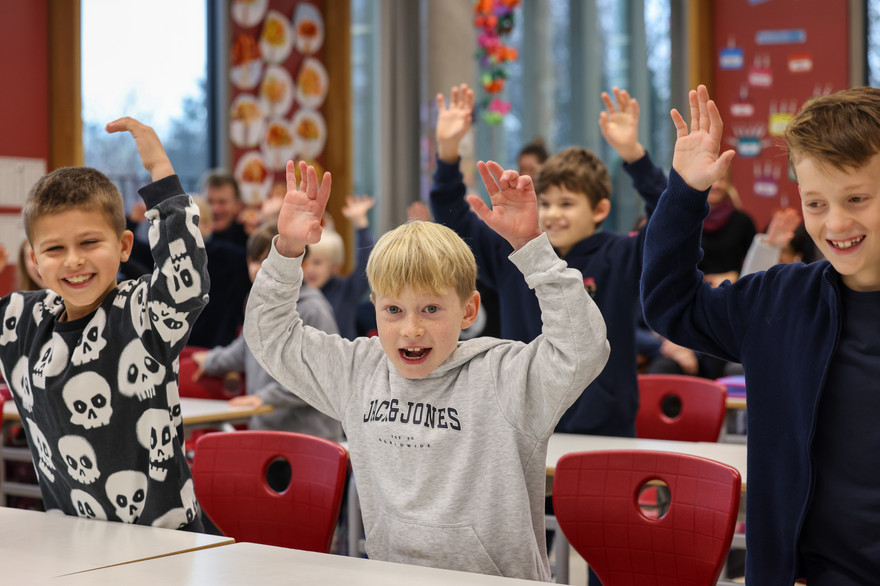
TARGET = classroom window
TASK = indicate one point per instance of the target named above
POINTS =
(155, 72)
(364, 73)
(873, 43)
(571, 51)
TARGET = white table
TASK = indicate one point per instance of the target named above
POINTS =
(251, 563)
(197, 413)
(35, 546)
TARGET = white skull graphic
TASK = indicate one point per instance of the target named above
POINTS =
(53, 359)
(87, 396)
(173, 397)
(122, 293)
(78, 454)
(138, 306)
(152, 216)
(86, 505)
(52, 303)
(128, 492)
(180, 517)
(139, 373)
(183, 280)
(92, 340)
(44, 451)
(192, 222)
(170, 323)
(11, 317)
(21, 383)
(154, 432)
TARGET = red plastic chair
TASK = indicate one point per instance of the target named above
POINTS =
(679, 407)
(595, 496)
(230, 478)
(207, 387)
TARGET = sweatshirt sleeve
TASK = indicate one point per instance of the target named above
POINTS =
(538, 381)
(224, 359)
(321, 367)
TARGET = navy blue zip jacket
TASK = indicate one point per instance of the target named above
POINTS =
(610, 264)
(783, 326)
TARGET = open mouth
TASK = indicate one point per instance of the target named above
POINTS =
(846, 244)
(79, 280)
(414, 354)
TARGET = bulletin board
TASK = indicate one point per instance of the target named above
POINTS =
(278, 87)
(771, 56)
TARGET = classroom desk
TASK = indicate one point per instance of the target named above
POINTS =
(251, 563)
(35, 546)
(197, 413)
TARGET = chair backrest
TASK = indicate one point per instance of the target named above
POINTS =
(595, 497)
(207, 387)
(679, 407)
(230, 478)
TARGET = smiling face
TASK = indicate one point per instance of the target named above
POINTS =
(77, 253)
(225, 206)
(842, 216)
(419, 331)
(567, 217)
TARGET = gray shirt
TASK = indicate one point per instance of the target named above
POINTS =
(450, 468)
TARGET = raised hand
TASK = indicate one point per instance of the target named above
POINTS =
(696, 158)
(514, 212)
(454, 121)
(782, 227)
(417, 211)
(356, 208)
(149, 146)
(620, 125)
(299, 221)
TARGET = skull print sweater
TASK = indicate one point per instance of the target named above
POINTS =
(98, 395)
(450, 468)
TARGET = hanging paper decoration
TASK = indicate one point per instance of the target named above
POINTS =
(494, 20)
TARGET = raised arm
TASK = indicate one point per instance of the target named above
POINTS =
(299, 221)
(514, 212)
(453, 121)
(148, 144)
(696, 158)
(619, 124)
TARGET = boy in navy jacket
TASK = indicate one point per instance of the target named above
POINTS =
(573, 189)
(805, 334)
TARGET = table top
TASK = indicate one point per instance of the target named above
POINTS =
(36, 546)
(564, 443)
(251, 563)
(194, 411)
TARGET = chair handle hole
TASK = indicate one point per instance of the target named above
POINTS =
(654, 499)
(670, 405)
(278, 475)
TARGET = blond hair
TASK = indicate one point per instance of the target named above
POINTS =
(841, 130)
(330, 246)
(425, 256)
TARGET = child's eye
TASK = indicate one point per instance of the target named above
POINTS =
(432, 309)
(393, 309)
(857, 198)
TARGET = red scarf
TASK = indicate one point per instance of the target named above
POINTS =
(719, 215)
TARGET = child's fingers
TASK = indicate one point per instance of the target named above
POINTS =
(479, 207)
(634, 107)
(609, 105)
(326, 183)
(705, 117)
(502, 177)
(441, 103)
(695, 110)
(715, 124)
(681, 129)
(453, 98)
(469, 98)
(303, 176)
(488, 178)
(291, 176)
(123, 124)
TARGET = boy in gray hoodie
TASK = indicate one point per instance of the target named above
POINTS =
(447, 439)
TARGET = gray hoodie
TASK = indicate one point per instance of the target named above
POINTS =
(450, 468)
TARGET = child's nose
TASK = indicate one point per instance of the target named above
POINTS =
(412, 327)
(73, 259)
(838, 220)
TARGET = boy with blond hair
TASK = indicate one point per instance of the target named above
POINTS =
(447, 439)
(805, 334)
(573, 189)
(92, 363)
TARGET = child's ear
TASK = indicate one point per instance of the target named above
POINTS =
(127, 241)
(471, 310)
(601, 211)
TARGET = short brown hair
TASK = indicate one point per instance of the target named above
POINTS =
(425, 256)
(74, 187)
(260, 241)
(219, 178)
(841, 130)
(578, 170)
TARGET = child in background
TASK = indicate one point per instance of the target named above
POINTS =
(573, 189)
(531, 157)
(447, 439)
(90, 360)
(806, 335)
(322, 269)
(290, 412)
(26, 269)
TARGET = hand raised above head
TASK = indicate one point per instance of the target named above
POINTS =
(149, 146)
(696, 158)
(299, 221)
(454, 121)
(620, 125)
(514, 211)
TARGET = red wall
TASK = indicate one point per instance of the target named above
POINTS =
(770, 57)
(24, 71)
